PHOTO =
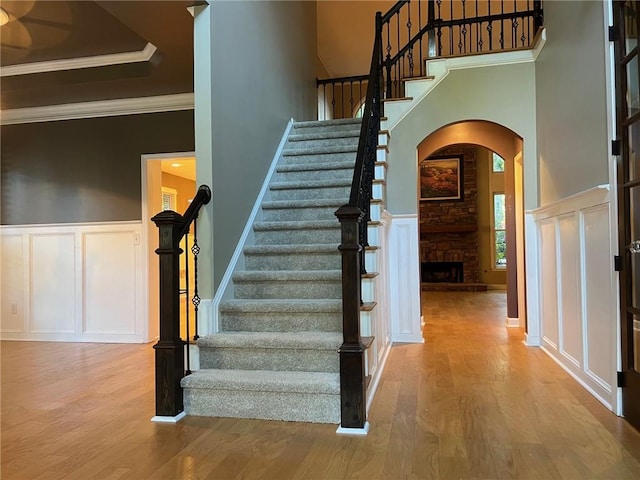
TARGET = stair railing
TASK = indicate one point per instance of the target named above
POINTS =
(413, 31)
(354, 217)
(170, 349)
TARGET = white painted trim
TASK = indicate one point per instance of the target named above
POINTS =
(613, 200)
(164, 419)
(226, 279)
(532, 336)
(99, 108)
(404, 279)
(77, 63)
(512, 322)
(76, 260)
(354, 431)
(591, 197)
(375, 380)
(602, 400)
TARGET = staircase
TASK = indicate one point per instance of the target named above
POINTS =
(275, 356)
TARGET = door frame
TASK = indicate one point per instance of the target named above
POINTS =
(149, 164)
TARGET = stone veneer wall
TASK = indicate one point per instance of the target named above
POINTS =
(454, 246)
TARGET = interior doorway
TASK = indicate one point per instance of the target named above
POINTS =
(486, 161)
(168, 183)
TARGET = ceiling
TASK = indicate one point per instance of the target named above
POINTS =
(56, 52)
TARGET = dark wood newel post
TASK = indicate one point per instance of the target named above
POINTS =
(352, 379)
(170, 347)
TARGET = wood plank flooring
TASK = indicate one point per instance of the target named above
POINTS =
(472, 402)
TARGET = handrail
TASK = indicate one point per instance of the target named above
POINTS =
(170, 349)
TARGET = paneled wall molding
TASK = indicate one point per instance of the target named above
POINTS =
(73, 282)
(77, 63)
(578, 289)
(99, 108)
(593, 196)
(404, 279)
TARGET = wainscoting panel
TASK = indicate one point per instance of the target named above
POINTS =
(598, 297)
(549, 285)
(577, 284)
(13, 312)
(570, 338)
(404, 277)
(73, 282)
(109, 273)
(52, 303)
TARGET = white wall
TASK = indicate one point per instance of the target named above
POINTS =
(577, 303)
(73, 282)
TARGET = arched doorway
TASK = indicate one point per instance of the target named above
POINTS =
(509, 146)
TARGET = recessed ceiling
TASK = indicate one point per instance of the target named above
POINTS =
(54, 31)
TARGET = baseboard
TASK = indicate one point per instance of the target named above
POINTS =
(511, 322)
(531, 340)
(165, 419)
(375, 381)
(354, 431)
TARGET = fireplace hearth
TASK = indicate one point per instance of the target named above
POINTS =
(441, 272)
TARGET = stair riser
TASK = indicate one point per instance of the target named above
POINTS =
(325, 142)
(289, 159)
(286, 289)
(281, 322)
(286, 237)
(309, 193)
(303, 176)
(270, 359)
(294, 261)
(298, 407)
(299, 214)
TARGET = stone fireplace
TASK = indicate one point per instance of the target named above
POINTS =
(449, 232)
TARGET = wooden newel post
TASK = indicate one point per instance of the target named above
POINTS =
(352, 379)
(170, 347)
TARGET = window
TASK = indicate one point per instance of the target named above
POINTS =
(498, 163)
(169, 199)
(499, 233)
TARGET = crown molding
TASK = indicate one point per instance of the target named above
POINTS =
(143, 55)
(100, 108)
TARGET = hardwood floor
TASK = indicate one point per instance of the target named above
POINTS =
(472, 402)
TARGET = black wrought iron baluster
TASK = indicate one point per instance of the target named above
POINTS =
(514, 32)
(351, 104)
(502, 26)
(186, 302)
(410, 51)
(195, 299)
(333, 100)
(388, 60)
(490, 34)
(421, 60)
(523, 37)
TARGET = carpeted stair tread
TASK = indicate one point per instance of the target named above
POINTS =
(305, 185)
(289, 225)
(312, 167)
(292, 152)
(295, 248)
(273, 340)
(308, 203)
(264, 381)
(324, 123)
(302, 137)
(286, 275)
(279, 305)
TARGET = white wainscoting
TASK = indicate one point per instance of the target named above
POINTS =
(73, 282)
(404, 279)
(578, 292)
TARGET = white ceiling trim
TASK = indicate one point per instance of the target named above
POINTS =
(143, 55)
(100, 108)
